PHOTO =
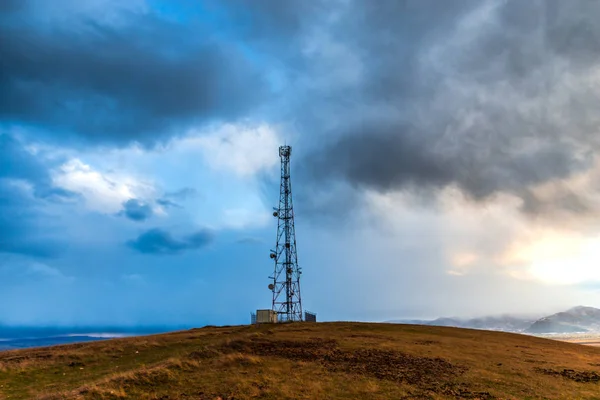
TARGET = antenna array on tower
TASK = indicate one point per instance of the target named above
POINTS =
(285, 282)
(287, 302)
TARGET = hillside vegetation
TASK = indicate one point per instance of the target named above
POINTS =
(307, 361)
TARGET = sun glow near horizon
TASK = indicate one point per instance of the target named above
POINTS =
(560, 259)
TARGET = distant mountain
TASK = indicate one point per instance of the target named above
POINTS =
(577, 319)
(507, 323)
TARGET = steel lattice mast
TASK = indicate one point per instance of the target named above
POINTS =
(286, 278)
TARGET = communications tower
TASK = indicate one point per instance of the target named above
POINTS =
(287, 302)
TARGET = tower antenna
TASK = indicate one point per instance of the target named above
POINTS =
(287, 302)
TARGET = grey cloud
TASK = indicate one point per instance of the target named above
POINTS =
(392, 157)
(489, 105)
(159, 241)
(117, 84)
(147, 77)
(572, 31)
(478, 94)
(136, 210)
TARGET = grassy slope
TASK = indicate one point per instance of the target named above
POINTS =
(306, 361)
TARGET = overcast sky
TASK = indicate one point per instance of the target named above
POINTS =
(444, 157)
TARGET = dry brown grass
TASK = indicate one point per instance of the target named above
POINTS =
(307, 361)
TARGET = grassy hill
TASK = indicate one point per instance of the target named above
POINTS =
(307, 361)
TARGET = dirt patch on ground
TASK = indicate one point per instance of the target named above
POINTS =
(368, 336)
(577, 376)
(395, 366)
(426, 342)
(428, 374)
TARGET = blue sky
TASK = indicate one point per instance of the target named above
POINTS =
(444, 158)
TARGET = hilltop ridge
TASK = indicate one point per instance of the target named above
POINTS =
(306, 361)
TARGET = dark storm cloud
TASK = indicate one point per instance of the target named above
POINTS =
(393, 157)
(136, 210)
(148, 76)
(488, 96)
(120, 83)
(159, 241)
(481, 95)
